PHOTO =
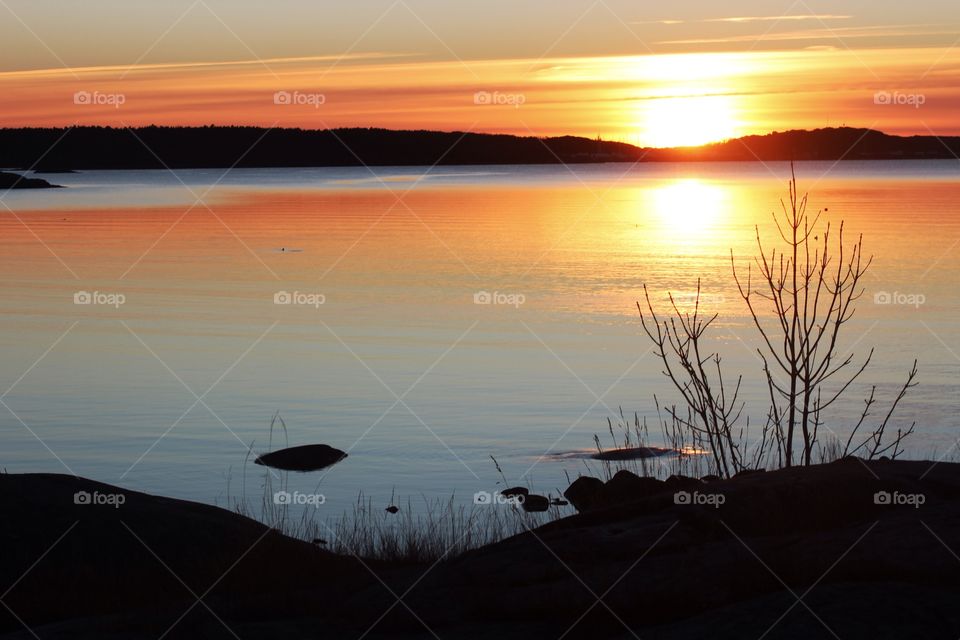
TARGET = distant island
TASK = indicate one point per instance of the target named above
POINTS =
(57, 150)
(17, 181)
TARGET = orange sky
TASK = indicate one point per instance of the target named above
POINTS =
(727, 75)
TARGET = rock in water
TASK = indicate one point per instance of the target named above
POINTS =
(515, 491)
(308, 457)
(534, 503)
(631, 453)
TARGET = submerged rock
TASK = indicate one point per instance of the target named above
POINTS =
(631, 453)
(308, 457)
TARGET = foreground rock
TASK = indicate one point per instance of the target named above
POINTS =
(624, 488)
(104, 551)
(584, 492)
(309, 457)
(865, 545)
(15, 181)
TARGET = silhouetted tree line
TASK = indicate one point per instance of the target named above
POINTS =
(219, 146)
(843, 143)
(215, 146)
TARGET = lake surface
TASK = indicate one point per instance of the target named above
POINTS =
(188, 348)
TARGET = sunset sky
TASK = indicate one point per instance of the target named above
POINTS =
(674, 73)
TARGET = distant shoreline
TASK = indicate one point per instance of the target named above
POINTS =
(60, 150)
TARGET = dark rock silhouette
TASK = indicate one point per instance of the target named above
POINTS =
(515, 491)
(105, 562)
(626, 487)
(584, 492)
(683, 483)
(631, 453)
(308, 457)
(879, 569)
(534, 503)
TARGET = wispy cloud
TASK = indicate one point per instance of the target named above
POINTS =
(164, 66)
(658, 22)
(884, 31)
(819, 17)
(794, 18)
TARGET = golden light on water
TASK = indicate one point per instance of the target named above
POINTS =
(687, 209)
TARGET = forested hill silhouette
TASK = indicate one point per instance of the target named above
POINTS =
(843, 143)
(215, 146)
(55, 149)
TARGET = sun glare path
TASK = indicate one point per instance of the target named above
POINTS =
(688, 208)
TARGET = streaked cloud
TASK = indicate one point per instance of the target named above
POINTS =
(791, 18)
(658, 22)
(839, 33)
(818, 17)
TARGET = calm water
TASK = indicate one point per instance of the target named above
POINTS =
(399, 365)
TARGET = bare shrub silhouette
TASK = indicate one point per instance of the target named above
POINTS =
(800, 296)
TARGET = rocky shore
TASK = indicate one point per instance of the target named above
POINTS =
(852, 549)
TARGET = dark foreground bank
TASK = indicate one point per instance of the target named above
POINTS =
(850, 550)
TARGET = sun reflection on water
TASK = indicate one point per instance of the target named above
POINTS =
(688, 209)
